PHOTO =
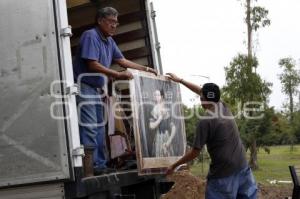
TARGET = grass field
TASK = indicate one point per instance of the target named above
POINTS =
(273, 166)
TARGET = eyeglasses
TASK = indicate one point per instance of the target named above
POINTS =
(112, 22)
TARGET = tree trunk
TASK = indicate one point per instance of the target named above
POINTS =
(249, 29)
(253, 149)
(292, 147)
(291, 107)
(253, 155)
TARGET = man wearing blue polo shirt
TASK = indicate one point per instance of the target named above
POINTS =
(96, 51)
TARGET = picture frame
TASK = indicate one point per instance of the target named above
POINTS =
(158, 121)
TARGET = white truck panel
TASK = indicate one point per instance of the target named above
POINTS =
(33, 145)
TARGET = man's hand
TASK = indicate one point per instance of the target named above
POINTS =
(173, 77)
(170, 170)
(151, 70)
(124, 75)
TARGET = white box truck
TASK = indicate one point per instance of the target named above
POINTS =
(40, 151)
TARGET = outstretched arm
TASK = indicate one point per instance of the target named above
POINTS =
(192, 154)
(96, 67)
(193, 87)
(130, 64)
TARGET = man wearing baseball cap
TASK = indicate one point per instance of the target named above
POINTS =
(229, 175)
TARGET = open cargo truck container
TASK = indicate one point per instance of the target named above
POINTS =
(40, 151)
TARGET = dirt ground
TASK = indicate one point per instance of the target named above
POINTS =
(188, 186)
(275, 191)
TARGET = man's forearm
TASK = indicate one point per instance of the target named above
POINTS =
(95, 67)
(129, 64)
(193, 87)
(189, 156)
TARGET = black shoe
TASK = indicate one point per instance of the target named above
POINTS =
(101, 171)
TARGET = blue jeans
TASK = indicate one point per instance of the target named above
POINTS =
(240, 185)
(91, 122)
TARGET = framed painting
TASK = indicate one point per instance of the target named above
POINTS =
(158, 121)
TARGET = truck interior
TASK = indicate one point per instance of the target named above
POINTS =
(132, 37)
(134, 40)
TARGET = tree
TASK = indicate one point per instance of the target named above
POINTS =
(290, 80)
(243, 86)
(277, 130)
(256, 17)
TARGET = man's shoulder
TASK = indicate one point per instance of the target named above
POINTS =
(90, 33)
(203, 122)
(94, 33)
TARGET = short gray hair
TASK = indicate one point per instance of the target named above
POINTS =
(105, 12)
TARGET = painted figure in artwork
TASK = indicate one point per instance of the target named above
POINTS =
(163, 126)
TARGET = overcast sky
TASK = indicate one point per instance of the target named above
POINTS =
(199, 38)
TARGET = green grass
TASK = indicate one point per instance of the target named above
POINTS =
(273, 166)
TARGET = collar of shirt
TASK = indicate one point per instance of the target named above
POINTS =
(101, 34)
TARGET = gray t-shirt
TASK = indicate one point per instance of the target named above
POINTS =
(220, 133)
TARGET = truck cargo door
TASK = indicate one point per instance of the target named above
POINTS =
(33, 120)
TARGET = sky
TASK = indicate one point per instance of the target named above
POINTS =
(199, 38)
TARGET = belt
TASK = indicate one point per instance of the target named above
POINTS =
(99, 90)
